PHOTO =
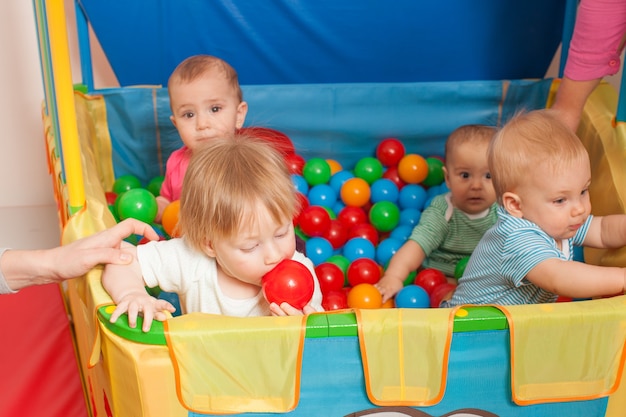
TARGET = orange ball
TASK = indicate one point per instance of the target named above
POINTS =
(355, 192)
(364, 296)
(413, 168)
(335, 166)
(169, 219)
(388, 304)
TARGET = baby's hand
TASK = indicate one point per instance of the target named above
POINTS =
(146, 305)
(388, 286)
(286, 309)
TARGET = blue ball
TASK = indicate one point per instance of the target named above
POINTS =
(302, 186)
(412, 196)
(384, 189)
(318, 250)
(412, 296)
(358, 247)
(322, 195)
(386, 249)
(172, 297)
(337, 180)
(410, 217)
(402, 232)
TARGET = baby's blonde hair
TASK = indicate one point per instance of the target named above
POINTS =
(475, 133)
(226, 182)
(528, 140)
(198, 65)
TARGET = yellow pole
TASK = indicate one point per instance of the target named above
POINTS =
(62, 80)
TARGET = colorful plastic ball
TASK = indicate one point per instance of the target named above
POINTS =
(384, 216)
(368, 168)
(429, 278)
(301, 184)
(137, 203)
(364, 230)
(335, 300)
(330, 277)
(387, 248)
(412, 196)
(440, 293)
(390, 151)
(409, 278)
(334, 166)
(290, 282)
(351, 216)
(413, 168)
(278, 139)
(316, 171)
(402, 232)
(364, 296)
(342, 262)
(358, 247)
(459, 269)
(412, 296)
(392, 174)
(110, 197)
(410, 216)
(355, 192)
(337, 234)
(337, 179)
(125, 183)
(363, 270)
(384, 189)
(169, 218)
(314, 221)
(435, 172)
(154, 186)
(318, 249)
(322, 195)
(295, 163)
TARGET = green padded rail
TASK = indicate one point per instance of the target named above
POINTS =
(475, 318)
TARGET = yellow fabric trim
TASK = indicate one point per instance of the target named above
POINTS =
(606, 145)
(405, 354)
(236, 365)
(566, 351)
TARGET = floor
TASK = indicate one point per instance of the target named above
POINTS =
(34, 227)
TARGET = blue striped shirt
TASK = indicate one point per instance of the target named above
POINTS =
(496, 272)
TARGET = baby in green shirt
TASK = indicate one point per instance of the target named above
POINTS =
(450, 228)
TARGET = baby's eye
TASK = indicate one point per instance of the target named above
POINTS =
(559, 201)
(585, 191)
(188, 115)
(488, 175)
(465, 175)
(249, 249)
(215, 109)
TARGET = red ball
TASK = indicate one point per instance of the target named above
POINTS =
(363, 270)
(289, 282)
(350, 216)
(335, 300)
(330, 277)
(440, 293)
(280, 141)
(314, 221)
(430, 278)
(392, 174)
(295, 163)
(110, 197)
(389, 151)
(337, 234)
(366, 231)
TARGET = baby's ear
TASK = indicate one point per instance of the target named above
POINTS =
(208, 249)
(512, 204)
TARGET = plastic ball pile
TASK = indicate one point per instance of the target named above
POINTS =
(352, 221)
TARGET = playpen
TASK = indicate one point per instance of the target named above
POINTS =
(336, 77)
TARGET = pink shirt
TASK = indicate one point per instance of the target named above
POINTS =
(598, 40)
(175, 169)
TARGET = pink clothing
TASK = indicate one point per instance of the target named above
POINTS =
(175, 173)
(598, 40)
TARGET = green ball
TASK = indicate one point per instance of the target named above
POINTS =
(410, 279)
(460, 267)
(435, 172)
(384, 216)
(139, 204)
(154, 186)
(316, 171)
(369, 168)
(125, 183)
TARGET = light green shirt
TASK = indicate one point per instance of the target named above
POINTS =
(447, 234)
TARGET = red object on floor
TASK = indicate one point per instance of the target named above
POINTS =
(40, 374)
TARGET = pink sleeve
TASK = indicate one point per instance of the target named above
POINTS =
(598, 40)
(174, 174)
